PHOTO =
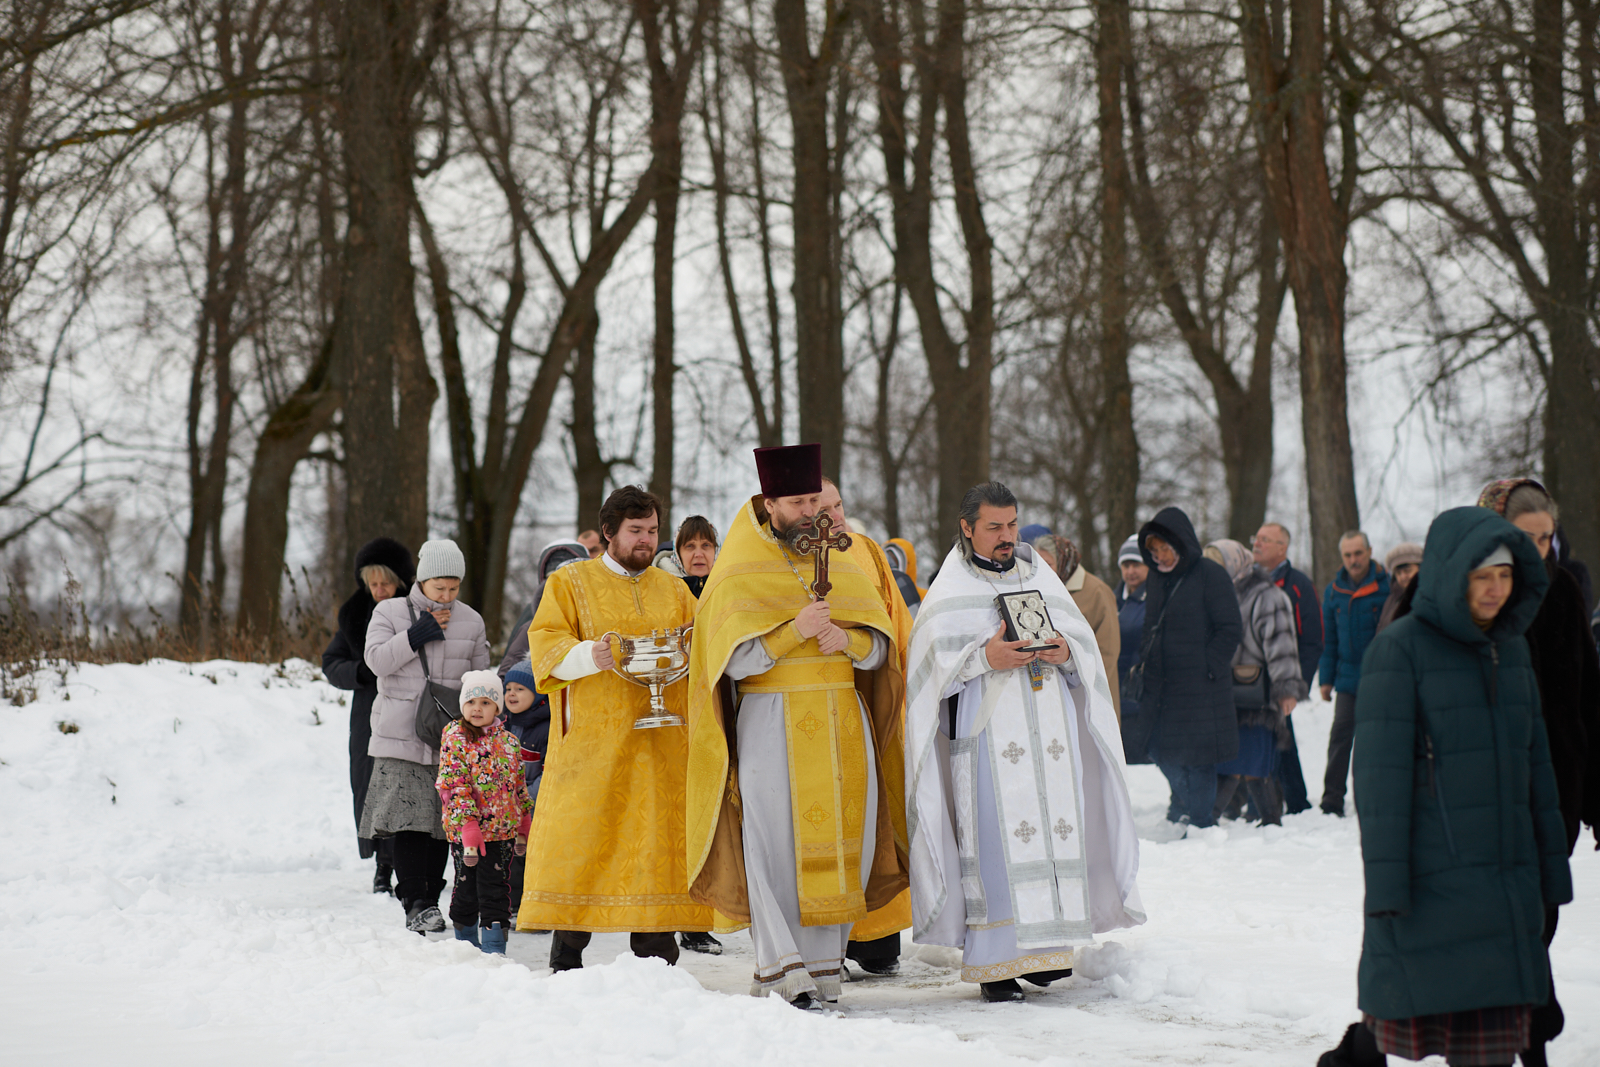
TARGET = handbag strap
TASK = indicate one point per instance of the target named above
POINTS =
(422, 653)
(1154, 630)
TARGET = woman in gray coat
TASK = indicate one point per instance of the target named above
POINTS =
(402, 800)
(1266, 682)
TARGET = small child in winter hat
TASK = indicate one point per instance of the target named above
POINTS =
(486, 811)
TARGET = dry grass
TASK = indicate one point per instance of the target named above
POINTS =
(30, 644)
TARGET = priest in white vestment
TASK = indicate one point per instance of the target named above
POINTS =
(1021, 829)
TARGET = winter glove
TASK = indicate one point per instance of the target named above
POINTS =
(472, 842)
(425, 629)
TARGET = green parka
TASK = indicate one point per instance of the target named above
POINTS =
(1461, 831)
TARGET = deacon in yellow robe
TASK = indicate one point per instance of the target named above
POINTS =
(795, 806)
(607, 850)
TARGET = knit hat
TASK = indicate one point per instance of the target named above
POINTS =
(1129, 552)
(480, 684)
(522, 674)
(1500, 557)
(1032, 532)
(440, 559)
(1403, 553)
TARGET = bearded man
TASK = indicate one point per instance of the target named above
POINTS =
(1022, 835)
(606, 852)
(795, 792)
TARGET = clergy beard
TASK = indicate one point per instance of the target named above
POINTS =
(789, 535)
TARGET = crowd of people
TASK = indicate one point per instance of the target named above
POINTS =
(853, 753)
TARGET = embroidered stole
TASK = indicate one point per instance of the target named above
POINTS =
(1032, 741)
(827, 779)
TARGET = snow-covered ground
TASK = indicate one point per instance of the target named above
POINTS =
(179, 885)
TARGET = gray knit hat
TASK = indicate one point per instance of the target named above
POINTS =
(1129, 552)
(1403, 553)
(440, 559)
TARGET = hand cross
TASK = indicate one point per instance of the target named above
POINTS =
(817, 545)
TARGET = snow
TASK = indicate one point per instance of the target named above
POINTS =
(179, 885)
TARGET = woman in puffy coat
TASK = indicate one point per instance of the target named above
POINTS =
(1462, 840)
(1266, 682)
(383, 570)
(402, 801)
(1191, 631)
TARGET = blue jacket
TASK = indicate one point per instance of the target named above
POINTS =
(1307, 615)
(1349, 623)
(1130, 620)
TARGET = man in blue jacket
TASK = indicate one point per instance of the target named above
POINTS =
(1271, 550)
(1350, 610)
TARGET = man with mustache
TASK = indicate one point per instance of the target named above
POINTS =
(794, 802)
(1022, 835)
(606, 850)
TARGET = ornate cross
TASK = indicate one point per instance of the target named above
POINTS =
(817, 545)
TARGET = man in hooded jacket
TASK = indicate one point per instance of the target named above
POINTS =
(1192, 629)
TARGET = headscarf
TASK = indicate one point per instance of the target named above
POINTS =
(1065, 552)
(1234, 557)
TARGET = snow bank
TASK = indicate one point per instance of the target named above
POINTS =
(178, 884)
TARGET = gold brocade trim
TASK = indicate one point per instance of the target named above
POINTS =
(991, 926)
(1017, 968)
(827, 776)
(818, 687)
(597, 900)
(811, 672)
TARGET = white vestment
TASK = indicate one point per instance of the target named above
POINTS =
(1022, 834)
(790, 958)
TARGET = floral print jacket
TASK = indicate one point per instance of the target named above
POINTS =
(483, 780)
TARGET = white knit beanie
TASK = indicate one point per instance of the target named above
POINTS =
(482, 684)
(440, 559)
(1500, 557)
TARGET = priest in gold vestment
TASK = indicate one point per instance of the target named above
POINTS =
(795, 797)
(606, 849)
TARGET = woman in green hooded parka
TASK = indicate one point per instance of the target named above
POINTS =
(1461, 832)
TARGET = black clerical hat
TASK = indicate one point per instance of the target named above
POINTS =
(789, 470)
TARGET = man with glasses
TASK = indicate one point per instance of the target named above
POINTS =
(1271, 550)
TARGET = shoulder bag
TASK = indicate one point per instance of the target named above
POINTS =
(439, 704)
(1133, 688)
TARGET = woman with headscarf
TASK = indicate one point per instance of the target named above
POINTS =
(383, 570)
(1568, 671)
(1266, 682)
(1094, 598)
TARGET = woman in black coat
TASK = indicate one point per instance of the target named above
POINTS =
(1568, 672)
(384, 569)
(1191, 630)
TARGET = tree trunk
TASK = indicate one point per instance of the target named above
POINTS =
(1572, 438)
(666, 135)
(379, 338)
(819, 354)
(1119, 448)
(284, 442)
(590, 469)
(1291, 131)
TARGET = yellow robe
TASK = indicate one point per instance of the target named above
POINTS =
(753, 592)
(606, 850)
(896, 915)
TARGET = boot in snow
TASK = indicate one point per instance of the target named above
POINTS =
(381, 875)
(700, 942)
(468, 933)
(1358, 1049)
(424, 918)
(1002, 991)
(494, 939)
(1268, 800)
(563, 957)
(1227, 786)
(1044, 978)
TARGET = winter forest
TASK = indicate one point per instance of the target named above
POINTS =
(278, 276)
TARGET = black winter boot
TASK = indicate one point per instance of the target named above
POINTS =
(1358, 1049)
(699, 941)
(1002, 991)
(563, 957)
(1227, 786)
(381, 875)
(1268, 800)
(1044, 978)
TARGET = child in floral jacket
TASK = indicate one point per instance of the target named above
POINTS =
(487, 811)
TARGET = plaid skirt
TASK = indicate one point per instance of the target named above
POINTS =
(1481, 1038)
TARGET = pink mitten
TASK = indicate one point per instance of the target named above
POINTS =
(472, 842)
